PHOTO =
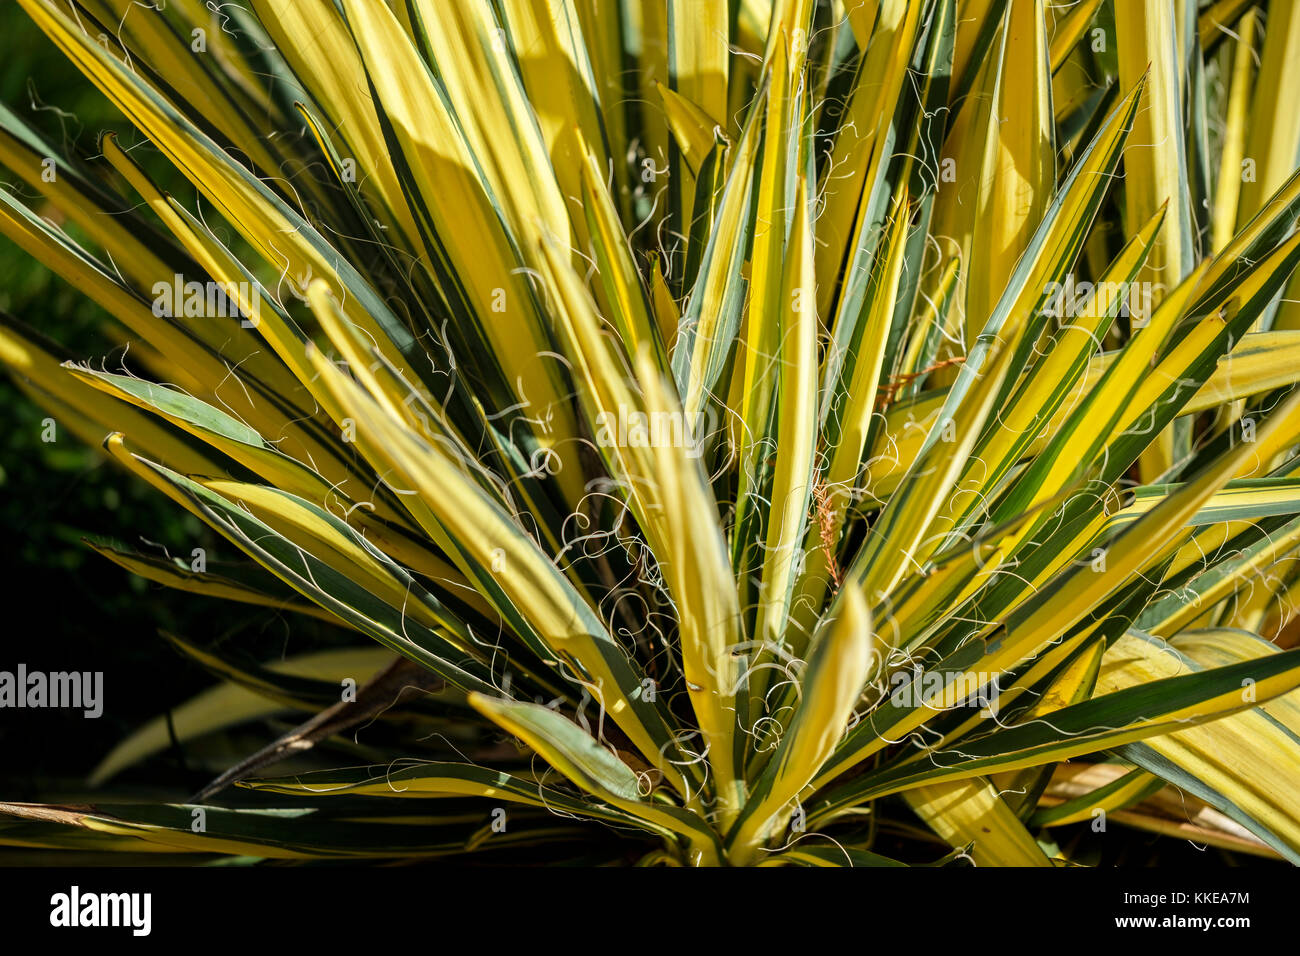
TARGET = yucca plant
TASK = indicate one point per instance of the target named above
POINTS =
(753, 431)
